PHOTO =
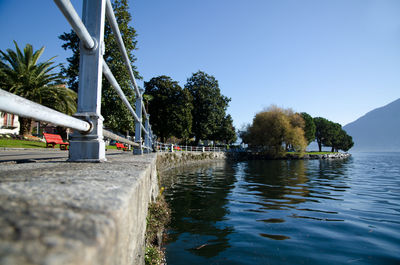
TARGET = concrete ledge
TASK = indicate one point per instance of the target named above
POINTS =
(54, 212)
(166, 161)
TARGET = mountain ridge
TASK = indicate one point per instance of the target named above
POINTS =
(378, 130)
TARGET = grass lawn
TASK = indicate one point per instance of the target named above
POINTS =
(13, 143)
(111, 147)
(318, 153)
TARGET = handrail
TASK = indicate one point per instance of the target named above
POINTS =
(76, 23)
(88, 143)
(23, 107)
(118, 138)
(144, 111)
(162, 147)
(115, 29)
(114, 83)
(107, 72)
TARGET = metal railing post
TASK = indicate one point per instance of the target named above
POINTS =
(151, 137)
(138, 123)
(147, 135)
(90, 147)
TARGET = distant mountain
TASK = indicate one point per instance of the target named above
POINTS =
(378, 130)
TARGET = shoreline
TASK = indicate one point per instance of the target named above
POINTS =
(259, 156)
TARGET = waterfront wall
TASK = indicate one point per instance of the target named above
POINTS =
(166, 161)
(53, 212)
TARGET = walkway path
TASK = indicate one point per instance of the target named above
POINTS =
(34, 155)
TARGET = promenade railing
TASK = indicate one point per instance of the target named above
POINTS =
(87, 141)
(163, 147)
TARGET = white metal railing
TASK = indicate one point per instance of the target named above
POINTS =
(118, 138)
(11, 103)
(87, 143)
(163, 147)
(91, 33)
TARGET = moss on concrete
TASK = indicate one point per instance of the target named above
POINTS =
(157, 218)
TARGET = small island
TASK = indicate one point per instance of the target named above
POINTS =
(278, 133)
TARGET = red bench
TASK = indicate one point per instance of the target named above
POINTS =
(121, 146)
(53, 139)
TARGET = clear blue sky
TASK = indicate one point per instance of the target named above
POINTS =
(332, 58)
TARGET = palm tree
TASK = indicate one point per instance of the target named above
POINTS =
(147, 99)
(23, 75)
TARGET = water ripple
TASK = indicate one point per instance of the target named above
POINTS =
(288, 212)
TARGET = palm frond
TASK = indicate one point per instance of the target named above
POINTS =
(21, 73)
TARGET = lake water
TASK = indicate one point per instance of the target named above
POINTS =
(287, 212)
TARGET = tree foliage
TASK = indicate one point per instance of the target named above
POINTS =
(309, 127)
(22, 74)
(209, 109)
(343, 141)
(321, 130)
(332, 135)
(274, 129)
(170, 108)
(117, 116)
(226, 131)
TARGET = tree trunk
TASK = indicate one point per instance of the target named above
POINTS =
(25, 128)
(319, 146)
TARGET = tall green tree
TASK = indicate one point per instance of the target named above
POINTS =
(209, 106)
(117, 116)
(342, 141)
(22, 74)
(226, 133)
(332, 135)
(170, 108)
(309, 127)
(327, 133)
(321, 130)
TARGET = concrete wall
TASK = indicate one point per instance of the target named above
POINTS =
(76, 213)
(54, 212)
(167, 161)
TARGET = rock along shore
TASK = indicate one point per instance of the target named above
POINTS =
(259, 156)
(327, 156)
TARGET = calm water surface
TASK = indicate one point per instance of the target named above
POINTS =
(287, 212)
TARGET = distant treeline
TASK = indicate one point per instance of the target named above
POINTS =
(197, 110)
(275, 131)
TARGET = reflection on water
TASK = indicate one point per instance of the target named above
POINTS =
(198, 198)
(287, 212)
